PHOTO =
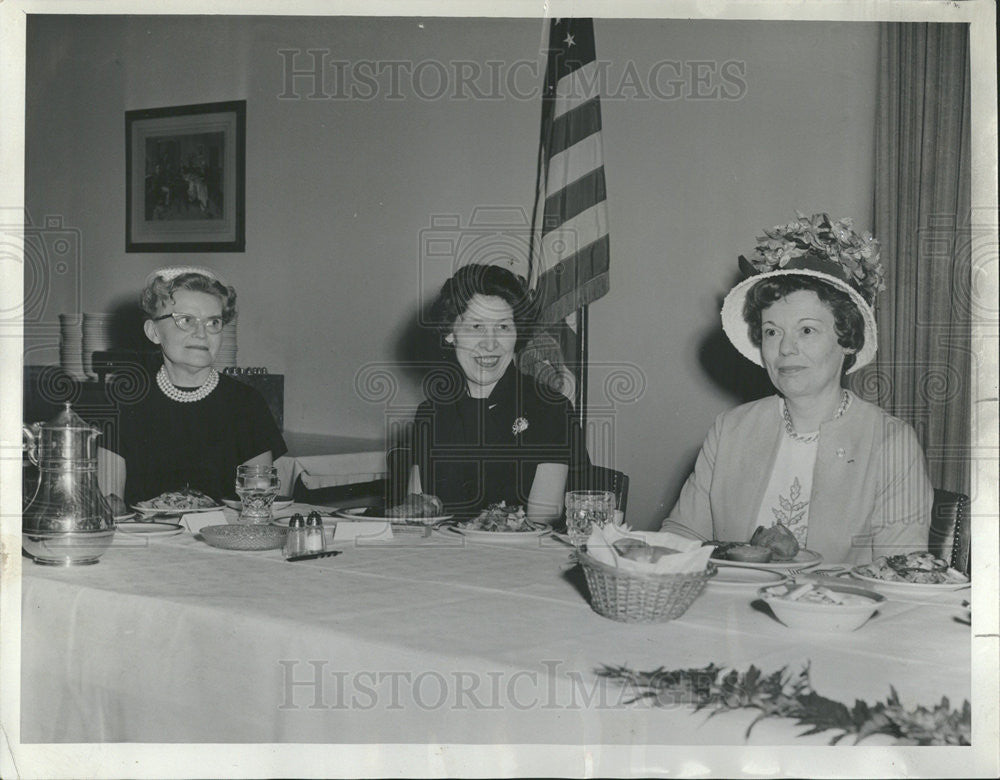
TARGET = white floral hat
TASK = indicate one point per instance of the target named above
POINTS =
(816, 247)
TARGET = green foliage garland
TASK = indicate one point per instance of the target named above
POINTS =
(783, 695)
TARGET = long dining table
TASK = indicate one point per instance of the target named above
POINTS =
(422, 639)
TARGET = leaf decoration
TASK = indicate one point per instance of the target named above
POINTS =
(783, 695)
(818, 235)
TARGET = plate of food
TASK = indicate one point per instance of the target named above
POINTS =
(280, 502)
(736, 556)
(500, 523)
(745, 578)
(917, 573)
(180, 501)
(774, 549)
(417, 509)
(151, 529)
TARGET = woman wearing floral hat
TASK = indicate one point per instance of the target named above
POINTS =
(848, 480)
(194, 426)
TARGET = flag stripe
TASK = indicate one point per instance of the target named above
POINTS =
(573, 163)
(578, 280)
(573, 199)
(576, 89)
(574, 126)
(585, 228)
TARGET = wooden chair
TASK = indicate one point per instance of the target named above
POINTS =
(950, 537)
(608, 479)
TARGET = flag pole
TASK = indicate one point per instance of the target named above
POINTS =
(584, 357)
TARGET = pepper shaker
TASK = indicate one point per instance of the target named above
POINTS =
(295, 542)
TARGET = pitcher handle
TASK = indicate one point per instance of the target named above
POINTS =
(29, 441)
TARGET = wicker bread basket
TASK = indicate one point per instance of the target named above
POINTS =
(640, 598)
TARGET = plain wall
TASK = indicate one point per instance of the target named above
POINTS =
(346, 197)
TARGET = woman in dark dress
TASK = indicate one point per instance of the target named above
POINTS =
(194, 426)
(489, 433)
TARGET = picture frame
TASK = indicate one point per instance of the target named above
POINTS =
(185, 178)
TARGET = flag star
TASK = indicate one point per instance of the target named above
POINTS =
(569, 40)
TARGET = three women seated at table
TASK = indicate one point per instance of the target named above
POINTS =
(194, 426)
(490, 433)
(847, 479)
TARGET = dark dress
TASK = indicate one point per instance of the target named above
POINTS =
(471, 456)
(167, 444)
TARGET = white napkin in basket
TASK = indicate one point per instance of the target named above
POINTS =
(692, 556)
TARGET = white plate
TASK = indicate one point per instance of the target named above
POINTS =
(805, 559)
(908, 588)
(146, 512)
(279, 503)
(358, 513)
(745, 578)
(499, 537)
(151, 529)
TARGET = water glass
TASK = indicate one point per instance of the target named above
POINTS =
(584, 508)
(257, 487)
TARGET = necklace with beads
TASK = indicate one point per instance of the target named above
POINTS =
(186, 396)
(790, 428)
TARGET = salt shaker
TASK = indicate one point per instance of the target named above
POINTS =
(314, 533)
(295, 542)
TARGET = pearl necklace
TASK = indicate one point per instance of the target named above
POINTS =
(790, 429)
(186, 396)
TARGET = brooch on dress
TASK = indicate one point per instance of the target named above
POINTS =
(520, 426)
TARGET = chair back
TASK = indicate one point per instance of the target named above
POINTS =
(608, 479)
(950, 537)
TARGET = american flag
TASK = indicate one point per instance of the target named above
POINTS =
(571, 220)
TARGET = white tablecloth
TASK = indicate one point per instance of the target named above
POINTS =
(418, 641)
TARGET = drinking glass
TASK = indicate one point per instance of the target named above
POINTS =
(584, 508)
(257, 487)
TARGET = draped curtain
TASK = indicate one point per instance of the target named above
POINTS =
(922, 217)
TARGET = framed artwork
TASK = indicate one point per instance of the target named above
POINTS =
(185, 178)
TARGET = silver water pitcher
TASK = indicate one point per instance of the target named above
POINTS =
(68, 522)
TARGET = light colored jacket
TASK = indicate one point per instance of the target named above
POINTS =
(871, 495)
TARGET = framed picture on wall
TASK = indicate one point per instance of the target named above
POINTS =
(185, 169)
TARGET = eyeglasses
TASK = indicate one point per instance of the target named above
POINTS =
(189, 323)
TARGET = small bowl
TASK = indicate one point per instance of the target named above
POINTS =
(244, 537)
(815, 616)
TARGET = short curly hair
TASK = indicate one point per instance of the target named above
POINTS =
(848, 322)
(489, 280)
(158, 293)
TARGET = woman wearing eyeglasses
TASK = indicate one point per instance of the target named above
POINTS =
(194, 426)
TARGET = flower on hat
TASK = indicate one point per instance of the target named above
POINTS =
(856, 254)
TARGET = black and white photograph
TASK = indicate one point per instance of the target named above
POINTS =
(566, 389)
